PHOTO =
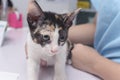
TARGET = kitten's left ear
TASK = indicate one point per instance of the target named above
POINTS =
(68, 18)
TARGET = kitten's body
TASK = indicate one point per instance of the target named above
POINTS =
(37, 52)
(47, 41)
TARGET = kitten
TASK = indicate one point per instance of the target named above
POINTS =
(47, 40)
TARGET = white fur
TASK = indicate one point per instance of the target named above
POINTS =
(37, 52)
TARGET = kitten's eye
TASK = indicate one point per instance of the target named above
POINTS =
(62, 38)
(62, 35)
(46, 37)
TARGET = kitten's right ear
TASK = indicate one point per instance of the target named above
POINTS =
(35, 14)
(69, 17)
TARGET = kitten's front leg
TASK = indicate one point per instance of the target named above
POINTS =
(33, 69)
(60, 72)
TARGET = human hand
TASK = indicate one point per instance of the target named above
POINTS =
(84, 57)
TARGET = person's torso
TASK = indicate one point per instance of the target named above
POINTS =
(107, 37)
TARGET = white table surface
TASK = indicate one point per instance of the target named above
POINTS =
(12, 58)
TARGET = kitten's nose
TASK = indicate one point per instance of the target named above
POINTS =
(54, 49)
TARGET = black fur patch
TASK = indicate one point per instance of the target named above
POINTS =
(70, 47)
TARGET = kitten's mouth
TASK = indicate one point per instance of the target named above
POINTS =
(52, 53)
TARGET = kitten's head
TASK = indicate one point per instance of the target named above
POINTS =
(48, 29)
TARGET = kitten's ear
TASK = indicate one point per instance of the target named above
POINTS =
(68, 18)
(35, 13)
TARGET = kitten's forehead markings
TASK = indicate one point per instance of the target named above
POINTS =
(47, 21)
(56, 16)
(39, 28)
(49, 28)
(45, 29)
(36, 30)
(52, 27)
(60, 28)
(34, 23)
(35, 40)
(44, 32)
(56, 34)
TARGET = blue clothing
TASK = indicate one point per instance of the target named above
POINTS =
(107, 36)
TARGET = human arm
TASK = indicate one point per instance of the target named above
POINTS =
(88, 59)
(83, 33)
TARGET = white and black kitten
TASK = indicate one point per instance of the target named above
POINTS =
(47, 40)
